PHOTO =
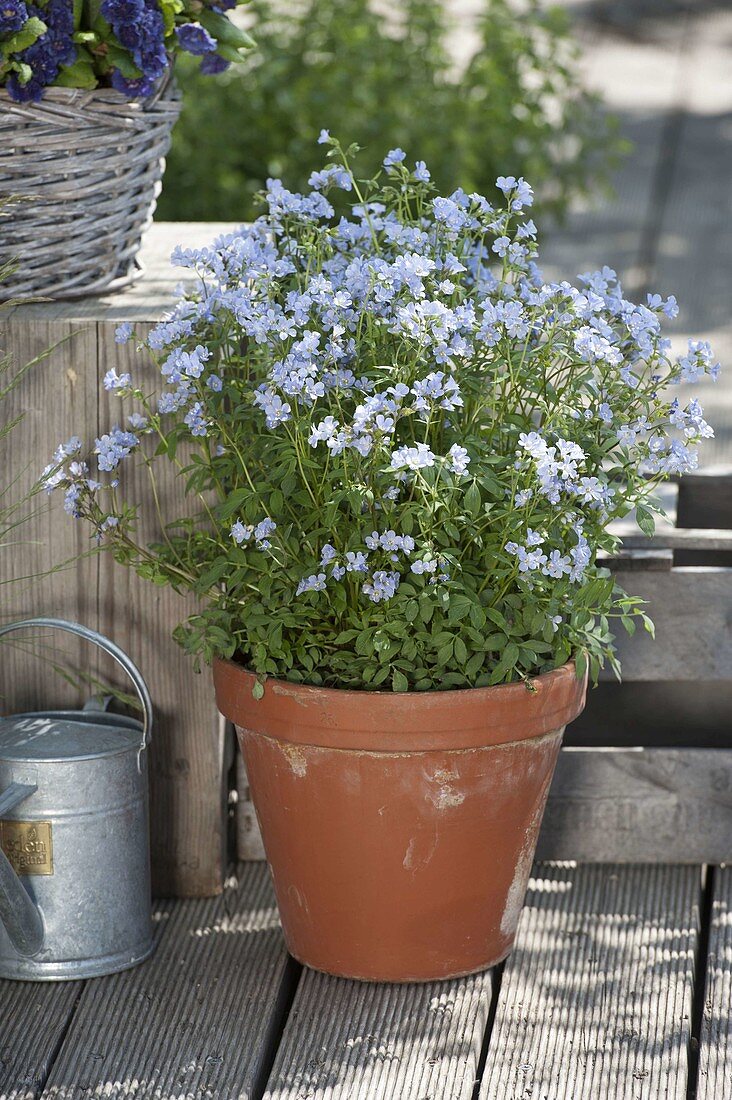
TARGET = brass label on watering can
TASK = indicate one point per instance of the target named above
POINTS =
(28, 845)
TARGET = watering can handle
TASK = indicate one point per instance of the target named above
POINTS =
(109, 647)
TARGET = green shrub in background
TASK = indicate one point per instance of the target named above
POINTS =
(517, 107)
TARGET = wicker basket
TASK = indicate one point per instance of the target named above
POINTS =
(87, 166)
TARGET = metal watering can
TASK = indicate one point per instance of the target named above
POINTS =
(74, 845)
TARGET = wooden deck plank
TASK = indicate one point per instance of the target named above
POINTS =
(33, 1020)
(356, 1041)
(715, 1054)
(596, 999)
(197, 1019)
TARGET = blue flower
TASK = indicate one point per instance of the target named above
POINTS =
(316, 582)
(334, 176)
(113, 447)
(195, 39)
(393, 157)
(381, 586)
(328, 554)
(422, 566)
(139, 26)
(413, 458)
(123, 333)
(241, 532)
(262, 531)
(196, 420)
(458, 460)
(114, 381)
(356, 562)
(421, 172)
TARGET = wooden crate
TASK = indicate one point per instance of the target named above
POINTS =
(191, 753)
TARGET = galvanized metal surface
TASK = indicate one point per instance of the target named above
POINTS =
(74, 847)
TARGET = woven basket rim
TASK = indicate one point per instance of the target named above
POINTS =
(167, 89)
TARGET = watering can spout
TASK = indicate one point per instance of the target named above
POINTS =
(19, 914)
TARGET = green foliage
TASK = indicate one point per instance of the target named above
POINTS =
(518, 106)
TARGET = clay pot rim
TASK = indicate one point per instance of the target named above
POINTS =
(385, 721)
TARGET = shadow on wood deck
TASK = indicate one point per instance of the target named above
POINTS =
(619, 987)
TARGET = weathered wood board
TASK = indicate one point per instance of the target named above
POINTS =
(596, 1000)
(609, 805)
(248, 836)
(197, 1020)
(347, 1040)
(715, 1054)
(691, 607)
(61, 397)
(33, 1020)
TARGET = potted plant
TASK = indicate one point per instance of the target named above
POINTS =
(406, 449)
(87, 104)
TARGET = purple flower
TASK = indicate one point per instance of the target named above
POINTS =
(213, 63)
(139, 26)
(47, 54)
(195, 39)
(13, 14)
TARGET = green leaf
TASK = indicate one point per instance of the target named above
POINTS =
(120, 59)
(399, 681)
(231, 53)
(459, 608)
(29, 33)
(411, 611)
(472, 500)
(474, 665)
(258, 689)
(645, 520)
(79, 75)
(224, 31)
(506, 664)
(169, 9)
(581, 663)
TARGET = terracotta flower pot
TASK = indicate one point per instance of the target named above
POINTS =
(400, 828)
